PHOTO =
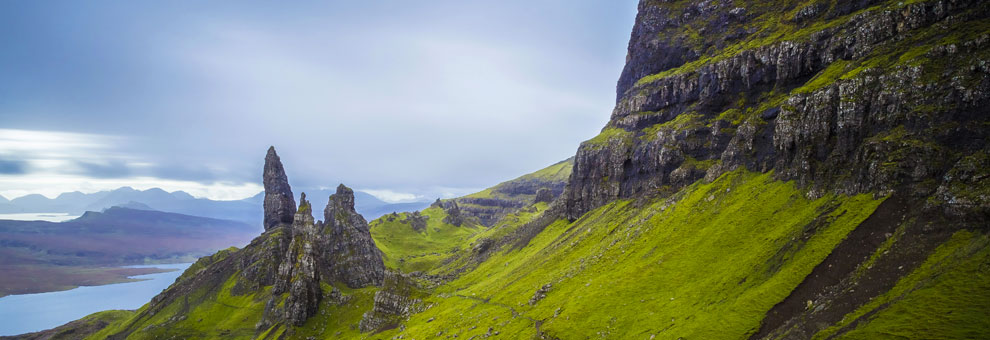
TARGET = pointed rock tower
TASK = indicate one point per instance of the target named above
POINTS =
(288, 273)
(280, 207)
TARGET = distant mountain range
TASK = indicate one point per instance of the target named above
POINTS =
(247, 210)
(118, 236)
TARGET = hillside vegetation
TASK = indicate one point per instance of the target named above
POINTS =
(772, 170)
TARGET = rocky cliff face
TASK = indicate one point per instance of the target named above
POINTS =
(352, 255)
(851, 97)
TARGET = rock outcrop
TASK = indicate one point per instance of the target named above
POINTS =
(543, 195)
(353, 257)
(280, 206)
(454, 216)
(296, 293)
(416, 220)
(393, 303)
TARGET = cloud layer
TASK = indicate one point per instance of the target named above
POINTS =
(410, 99)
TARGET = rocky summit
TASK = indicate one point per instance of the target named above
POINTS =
(771, 170)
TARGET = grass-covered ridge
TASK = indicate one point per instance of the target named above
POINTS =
(408, 250)
(716, 253)
(493, 204)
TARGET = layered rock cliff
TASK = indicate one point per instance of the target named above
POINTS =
(846, 97)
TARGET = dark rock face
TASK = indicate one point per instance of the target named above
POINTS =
(874, 129)
(280, 206)
(394, 302)
(416, 220)
(349, 248)
(454, 216)
(543, 195)
(298, 275)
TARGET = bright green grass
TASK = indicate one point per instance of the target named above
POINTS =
(721, 254)
(201, 315)
(558, 172)
(407, 250)
(222, 315)
(109, 316)
(944, 298)
(607, 136)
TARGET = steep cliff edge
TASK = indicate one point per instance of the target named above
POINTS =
(844, 97)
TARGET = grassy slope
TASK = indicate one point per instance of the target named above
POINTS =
(407, 250)
(633, 269)
(946, 297)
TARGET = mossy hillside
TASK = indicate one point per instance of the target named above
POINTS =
(227, 316)
(632, 269)
(86, 325)
(609, 136)
(558, 172)
(203, 314)
(408, 250)
(464, 258)
(944, 298)
(205, 261)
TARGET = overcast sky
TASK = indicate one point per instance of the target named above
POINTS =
(404, 99)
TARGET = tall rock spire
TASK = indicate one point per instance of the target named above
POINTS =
(280, 206)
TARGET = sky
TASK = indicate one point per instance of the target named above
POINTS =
(405, 100)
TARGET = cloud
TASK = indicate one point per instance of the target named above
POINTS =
(51, 185)
(389, 196)
(53, 162)
(9, 167)
(109, 169)
(423, 99)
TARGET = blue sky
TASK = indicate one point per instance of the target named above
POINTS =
(407, 100)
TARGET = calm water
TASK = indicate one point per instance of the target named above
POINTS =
(50, 217)
(34, 312)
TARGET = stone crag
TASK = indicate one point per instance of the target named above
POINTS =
(280, 206)
(834, 104)
(296, 256)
